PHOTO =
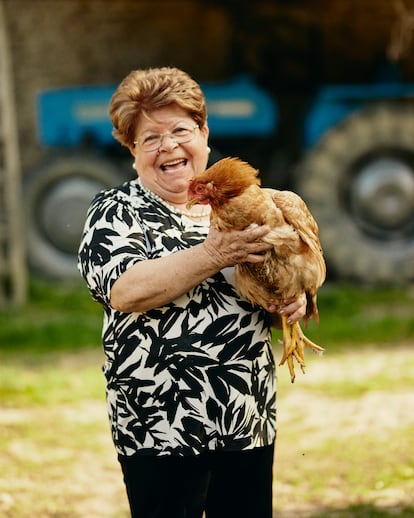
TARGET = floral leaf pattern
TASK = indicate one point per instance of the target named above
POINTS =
(195, 374)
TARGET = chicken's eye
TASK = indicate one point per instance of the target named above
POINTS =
(200, 188)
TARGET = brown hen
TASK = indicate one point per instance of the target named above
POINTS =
(295, 265)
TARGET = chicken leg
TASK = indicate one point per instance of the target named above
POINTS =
(294, 341)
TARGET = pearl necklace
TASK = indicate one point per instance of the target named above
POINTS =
(204, 214)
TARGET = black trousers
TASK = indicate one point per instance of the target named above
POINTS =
(224, 485)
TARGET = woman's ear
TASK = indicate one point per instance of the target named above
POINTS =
(205, 131)
(132, 151)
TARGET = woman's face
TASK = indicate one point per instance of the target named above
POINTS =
(167, 169)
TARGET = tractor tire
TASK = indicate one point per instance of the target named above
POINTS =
(358, 182)
(57, 194)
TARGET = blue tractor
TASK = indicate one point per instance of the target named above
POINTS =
(353, 164)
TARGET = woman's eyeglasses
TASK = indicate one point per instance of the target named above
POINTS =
(153, 141)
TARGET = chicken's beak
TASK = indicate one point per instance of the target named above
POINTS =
(191, 202)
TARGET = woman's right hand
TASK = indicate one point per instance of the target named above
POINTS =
(228, 248)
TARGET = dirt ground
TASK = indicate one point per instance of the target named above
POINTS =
(321, 418)
(95, 482)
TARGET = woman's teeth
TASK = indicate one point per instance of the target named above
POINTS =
(173, 164)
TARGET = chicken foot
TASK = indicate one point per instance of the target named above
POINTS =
(294, 341)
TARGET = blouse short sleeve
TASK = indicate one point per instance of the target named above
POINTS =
(112, 242)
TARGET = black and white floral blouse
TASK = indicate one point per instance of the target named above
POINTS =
(196, 374)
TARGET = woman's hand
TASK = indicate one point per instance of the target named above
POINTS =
(293, 309)
(237, 246)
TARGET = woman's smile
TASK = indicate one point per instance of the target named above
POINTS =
(169, 164)
(175, 165)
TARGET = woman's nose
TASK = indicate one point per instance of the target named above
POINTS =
(167, 142)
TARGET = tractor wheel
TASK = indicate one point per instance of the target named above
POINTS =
(358, 183)
(57, 194)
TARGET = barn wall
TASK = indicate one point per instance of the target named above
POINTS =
(71, 42)
(285, 44)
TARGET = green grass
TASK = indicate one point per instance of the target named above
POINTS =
(62, 316)
(350, 314)
(362, 468)
(42, 383)
(57, 316)
(366, 511)
(350, 376)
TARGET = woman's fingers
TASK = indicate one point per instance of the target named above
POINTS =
(294, 309)
(237, 246)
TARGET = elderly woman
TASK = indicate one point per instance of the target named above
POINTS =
(189, 367)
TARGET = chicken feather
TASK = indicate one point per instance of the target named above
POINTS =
(295, 265)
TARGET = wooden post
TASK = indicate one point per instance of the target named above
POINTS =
(13, 274)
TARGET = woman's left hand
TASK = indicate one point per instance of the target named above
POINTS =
(293, 309)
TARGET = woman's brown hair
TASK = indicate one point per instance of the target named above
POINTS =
(143, 91)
